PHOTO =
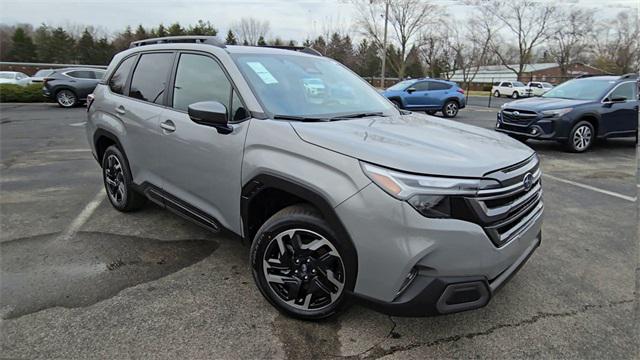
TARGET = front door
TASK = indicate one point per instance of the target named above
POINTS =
(199, 165)
(620, 117)
(418, 96)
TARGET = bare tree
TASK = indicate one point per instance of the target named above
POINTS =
(407, 19)
(526, 20)
(472, 48)
(569, 38)
(616, 43)
(434, 42)
(250, 30)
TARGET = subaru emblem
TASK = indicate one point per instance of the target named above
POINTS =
(516, 113)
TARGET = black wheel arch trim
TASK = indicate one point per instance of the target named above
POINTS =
(111, 136)
(263, 182)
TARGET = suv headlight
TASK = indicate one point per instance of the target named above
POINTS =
(429, 195)
(556, 112)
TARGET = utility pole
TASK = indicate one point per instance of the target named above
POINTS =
(384, 42)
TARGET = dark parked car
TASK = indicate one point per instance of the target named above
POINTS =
(430, 95)
(576, 112)
(70, 86)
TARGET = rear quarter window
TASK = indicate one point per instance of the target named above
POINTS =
(118, 80)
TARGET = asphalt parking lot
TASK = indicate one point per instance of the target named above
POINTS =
(80, 280)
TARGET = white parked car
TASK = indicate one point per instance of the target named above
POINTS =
(39, 76)
(538, 88)
(14, 77)
(513, 89)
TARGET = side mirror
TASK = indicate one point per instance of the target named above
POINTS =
(210, 113)
(411, 89)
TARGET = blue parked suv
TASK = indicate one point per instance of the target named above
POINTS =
(576, 112)
(428, 95)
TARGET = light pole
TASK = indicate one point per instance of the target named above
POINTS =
(384, 42)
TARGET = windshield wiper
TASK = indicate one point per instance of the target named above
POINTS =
(357, 115)
(299, 118)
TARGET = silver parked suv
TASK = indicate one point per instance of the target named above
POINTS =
(340, 193)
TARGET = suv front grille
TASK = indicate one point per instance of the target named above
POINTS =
(514, 116)
(506, 212)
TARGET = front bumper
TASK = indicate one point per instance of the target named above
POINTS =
(393, 240)
(543, 129)
(430, 296)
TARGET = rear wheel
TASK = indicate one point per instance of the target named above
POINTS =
(300, 266)
(118, 181)
(581, 137)
(66, 98)
(450, 109)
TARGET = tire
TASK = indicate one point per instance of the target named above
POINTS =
(303, 283)
(118, 182)
(581, 137)
(496, 93)
(66, 98)
(431, 112)
(450, 109)
(397, 103)
(515, 95)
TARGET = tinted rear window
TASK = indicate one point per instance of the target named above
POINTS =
(150, 77)
(438, 86)
(119, 77)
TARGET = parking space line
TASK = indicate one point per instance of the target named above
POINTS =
(84, 215)
(592, 188)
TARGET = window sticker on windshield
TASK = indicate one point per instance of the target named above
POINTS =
(262, 72)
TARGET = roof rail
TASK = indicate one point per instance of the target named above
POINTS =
(630, 76)
(302, 49)
(198, 39)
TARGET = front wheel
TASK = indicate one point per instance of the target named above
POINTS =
(581, 137)
(496, 93)
(300, 266)
(515, 95)
(431, 112)
(397, 103)
(450, 109)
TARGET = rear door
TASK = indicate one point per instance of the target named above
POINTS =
(198, 165)
(82, 81)
(437, 94)
(620, 118)
(139, 107)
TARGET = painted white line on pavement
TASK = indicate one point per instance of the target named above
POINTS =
(592, 188)
(84, 215)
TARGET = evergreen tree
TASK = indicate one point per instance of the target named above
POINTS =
(161, 32)
(202, 28)
(104, 52)
(231, 38)
(85, 49)
(307, 43)
(22, 49)
(245, 42)
(292, 43)
(320, 45)
(261, 41)
(141, 33)
(278, 42)
(61, 47)
(41, 39)
(175, 30)
(123, 40)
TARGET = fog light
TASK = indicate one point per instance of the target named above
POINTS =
(407, 281)
(534, 131)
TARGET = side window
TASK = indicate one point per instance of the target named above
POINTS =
(98, 74)
(200, 78)
(438, 86)
(150, 77)
(119, 77)
(81, 74)
(421, 86)
(625, 90)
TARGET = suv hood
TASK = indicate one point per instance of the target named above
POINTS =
(417, 143)
(540, 103)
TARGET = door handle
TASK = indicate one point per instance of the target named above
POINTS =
(168, 126)
(120, 110)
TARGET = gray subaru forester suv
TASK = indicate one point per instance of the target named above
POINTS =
(341, 194)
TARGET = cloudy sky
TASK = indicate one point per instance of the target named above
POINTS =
(289, 19)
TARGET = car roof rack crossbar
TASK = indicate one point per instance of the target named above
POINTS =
(630, 76)
(196, 39)
(302, 49)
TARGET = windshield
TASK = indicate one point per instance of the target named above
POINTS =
(7, 75)
(587, 89)
(518, 84)
(309, 86)
(401, 85)
(43, 73)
